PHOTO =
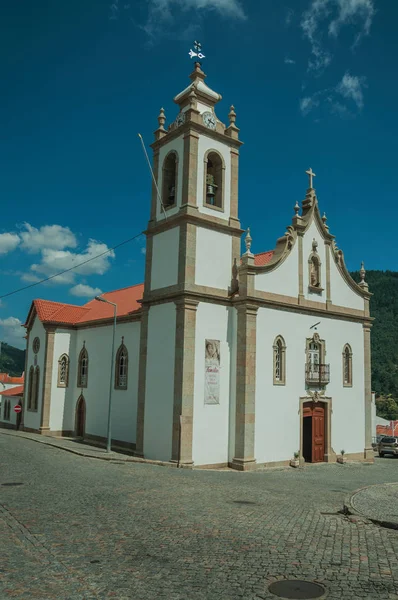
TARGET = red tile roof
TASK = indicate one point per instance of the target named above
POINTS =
(71, 314)
(387, 429)
(5, 378)
(263, 258)
(16, 391)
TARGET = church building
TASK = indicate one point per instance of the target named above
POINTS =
(220, 358)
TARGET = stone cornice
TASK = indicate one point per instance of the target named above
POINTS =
(189, 214)
(200, 129)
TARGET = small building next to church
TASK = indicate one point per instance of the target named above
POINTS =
(221, 357)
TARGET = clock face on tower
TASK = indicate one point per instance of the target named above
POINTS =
(180, 119)
(209, 120)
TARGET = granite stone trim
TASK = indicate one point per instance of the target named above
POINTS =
(190, 169)
(368, 450)
(244, 458)
(142, 382)
(301, 266)
(184, 374)
(47, 377)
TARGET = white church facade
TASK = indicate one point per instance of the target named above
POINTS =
(220, 358)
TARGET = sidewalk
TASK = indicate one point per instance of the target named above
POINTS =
(378, 503)
(80, 448)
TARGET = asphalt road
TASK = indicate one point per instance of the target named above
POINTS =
(77, 528)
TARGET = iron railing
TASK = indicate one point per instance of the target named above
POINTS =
(317, 374)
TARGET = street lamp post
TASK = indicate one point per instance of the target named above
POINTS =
(108, 442)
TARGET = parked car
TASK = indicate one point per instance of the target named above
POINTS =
(388, 445)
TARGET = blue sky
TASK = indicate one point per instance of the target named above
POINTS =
(313, 83)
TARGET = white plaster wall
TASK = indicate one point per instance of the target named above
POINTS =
(211, 423)
(62, 345)
(14, 400)
(178, 146)
(284, 279)
(205, 144)
(8, 386)
(277, 431)
(158, 419)
(232, 343)
(96, 394)
(165, 258)
(213, 266)
(32, 418)
(341, 293)
(311, 233)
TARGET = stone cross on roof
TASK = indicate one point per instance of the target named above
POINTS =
(311, 174)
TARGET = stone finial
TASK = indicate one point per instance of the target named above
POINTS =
(232, 115)
(296, 208)
(362, 274)
(162, 119)
(248, 242)
(324, 218)
(192, 98)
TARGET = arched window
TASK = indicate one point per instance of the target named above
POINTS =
(214, 171)
(36, 386)
(121, 367)
(169, 185)
(30, 389)
(347, 366)
(63, 370)
(82, 371)
(6, 411)
(279, 361)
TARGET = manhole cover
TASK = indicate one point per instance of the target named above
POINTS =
(297, 590)
(10, 484)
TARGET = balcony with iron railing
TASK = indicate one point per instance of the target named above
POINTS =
(317, 374)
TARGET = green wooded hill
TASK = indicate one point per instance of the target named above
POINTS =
(12, 360)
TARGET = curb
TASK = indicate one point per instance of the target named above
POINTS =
(348, 508)
(115, 455)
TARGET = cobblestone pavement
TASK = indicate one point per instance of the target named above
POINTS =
(83, 529)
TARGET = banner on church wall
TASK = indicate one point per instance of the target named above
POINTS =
(212, 372)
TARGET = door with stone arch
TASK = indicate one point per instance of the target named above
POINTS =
(314, 432)
(80, 418)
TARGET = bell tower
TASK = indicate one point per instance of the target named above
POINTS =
(193, 242)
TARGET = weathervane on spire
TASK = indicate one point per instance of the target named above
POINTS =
(198, 51)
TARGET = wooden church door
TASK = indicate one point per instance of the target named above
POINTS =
(318, 434)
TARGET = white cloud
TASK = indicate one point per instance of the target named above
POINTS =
(349, 12)
(165, 11)
(308, 103)
(337, 13)
(54, 261)
(12, 332)
(289, 16)
(289, 61)
(85, 291)
(351, 87)
(55, 237)
(8, 242)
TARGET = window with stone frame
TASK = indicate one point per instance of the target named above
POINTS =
(82, 371)
(6, 410)
(279, 361)
(121, 367)
(169, 181)
(30, 388)
(36, 388)
(63, 370)
(347, 366)
(214, 170)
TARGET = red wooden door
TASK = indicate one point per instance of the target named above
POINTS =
(318, 434)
